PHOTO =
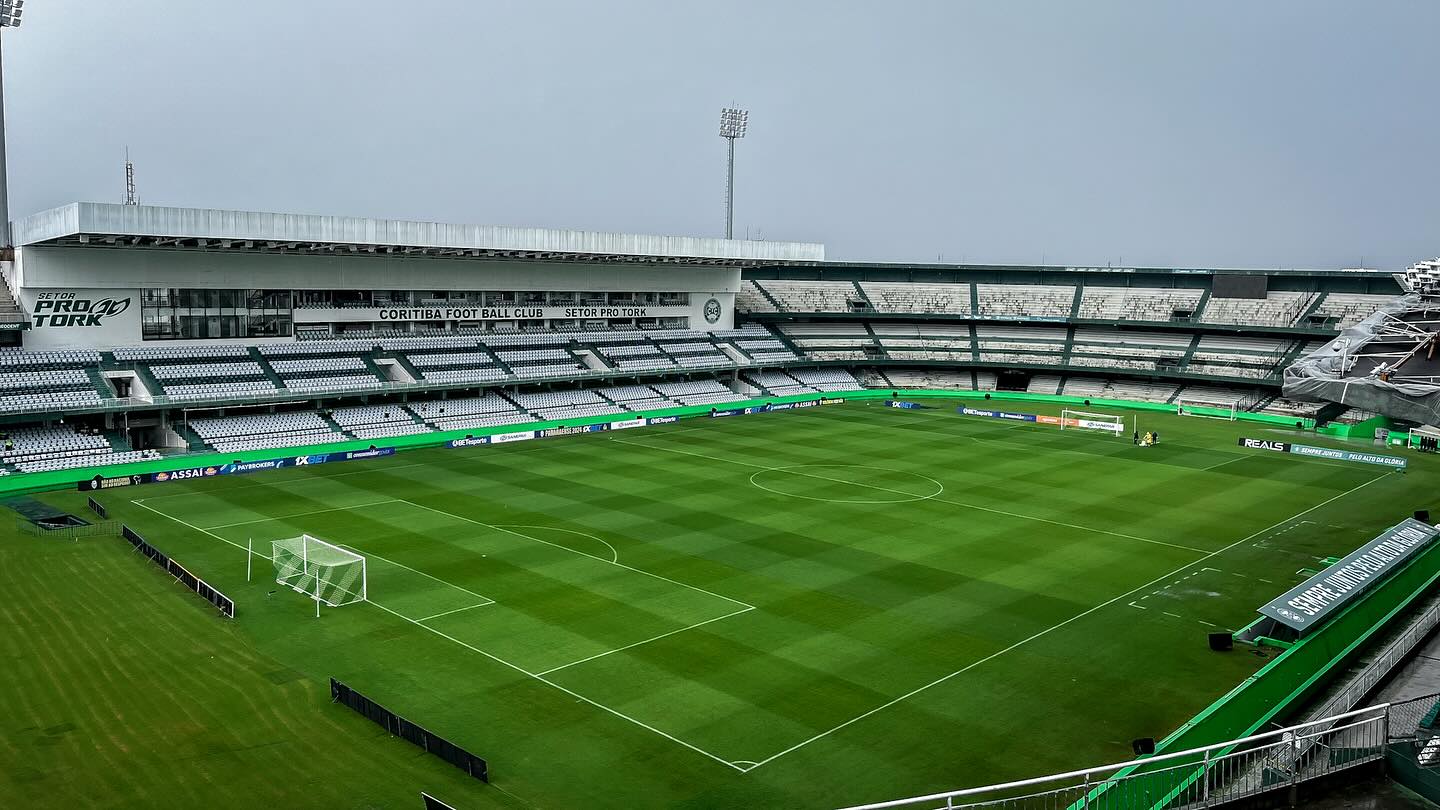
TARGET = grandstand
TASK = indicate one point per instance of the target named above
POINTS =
(707, 614)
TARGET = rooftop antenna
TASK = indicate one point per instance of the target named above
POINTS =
(733, 122)
(10, 12)
(130, 198)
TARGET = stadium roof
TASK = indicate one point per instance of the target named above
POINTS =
(108, 224)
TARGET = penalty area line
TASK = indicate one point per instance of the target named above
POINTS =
(542, 679)
(1058, 626)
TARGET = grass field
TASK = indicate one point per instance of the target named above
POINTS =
(804, 609)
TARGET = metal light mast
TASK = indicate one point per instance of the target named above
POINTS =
(130, 198)
(10, 11)
(732, 128)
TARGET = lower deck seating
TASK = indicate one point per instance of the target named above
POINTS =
(261, 431)
(41, 449)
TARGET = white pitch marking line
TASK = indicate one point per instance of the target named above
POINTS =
(614, 555)
(302, 514)
(1055, 627)
(570, 692)
(1138, 607)
(456, 610)
(574, 551)
(902, 492)
(430, 577)
(1172, 615)
(500, 660)
(646, 641)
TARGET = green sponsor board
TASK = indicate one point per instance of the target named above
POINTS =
(1349, 455)
(1312, 601)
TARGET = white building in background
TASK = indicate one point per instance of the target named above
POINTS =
(96, 275)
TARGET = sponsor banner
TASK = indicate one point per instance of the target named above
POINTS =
(571, 431)
(468, 441)
(470, 312)
(1092, 424)
(1265, 444)
(627, 424)
(831, 400)
(662, 420)
(304, 461)
(1394, 462)
(755, 409)
(236, 467)
(1047, 420)
(895, 403)
(1015, 417)
(374, 452)
(65, 318)
(1308, 604)
(101, 482)
(184, 475)
(718, 414)
(785, 406)
(518, 436)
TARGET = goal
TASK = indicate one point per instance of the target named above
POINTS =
(1207, 408)
(1084, 420)
(322, 571)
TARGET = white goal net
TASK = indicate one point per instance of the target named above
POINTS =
(1084, 420)
(1207, 408)
(322, 571)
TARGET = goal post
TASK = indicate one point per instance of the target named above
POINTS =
(1086, 420)
(323, 571)
(1207, 408)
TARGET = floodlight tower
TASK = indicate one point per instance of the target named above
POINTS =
(732, 128)
(10, 11)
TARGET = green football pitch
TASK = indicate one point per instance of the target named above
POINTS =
(803, 609)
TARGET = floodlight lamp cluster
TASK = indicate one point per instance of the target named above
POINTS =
(1424, 278)
(733, 122)
(10, 11)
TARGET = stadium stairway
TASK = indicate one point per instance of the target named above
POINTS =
(335, 426)
(1190, 351)
(1328, 412)
(369, 361)
(860, 291)
(974, 336)
(9, 308)
(102, 387)
(788, 343)
(117, 440)
(1314, 305)
(495, 358)
(1075, 305)
(265, 367)
(192, 439)
(768, 297)
(1200, 305)
(404, 363)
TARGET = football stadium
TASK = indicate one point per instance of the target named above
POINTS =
(330, 511)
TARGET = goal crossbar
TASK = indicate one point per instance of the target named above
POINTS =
(1086, 420)
(1207, 408)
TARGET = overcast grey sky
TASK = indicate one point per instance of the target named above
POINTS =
(1278, 134)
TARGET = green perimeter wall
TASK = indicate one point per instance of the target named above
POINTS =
(63, 479)
(1279, 687)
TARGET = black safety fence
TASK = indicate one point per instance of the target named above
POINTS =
(432, 803)
(223, 603)
(400, 727)
(69, 531)
(97, 507)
